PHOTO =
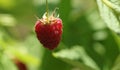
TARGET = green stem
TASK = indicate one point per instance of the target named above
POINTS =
(47, 11)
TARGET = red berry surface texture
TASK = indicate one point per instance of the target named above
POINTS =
(49, 31)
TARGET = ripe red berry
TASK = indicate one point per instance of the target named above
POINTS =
(49, 31)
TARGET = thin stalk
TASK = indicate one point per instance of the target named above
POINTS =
(47, 11)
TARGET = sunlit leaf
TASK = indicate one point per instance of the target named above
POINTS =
(74, 55)
(109, 13)
(113, 4)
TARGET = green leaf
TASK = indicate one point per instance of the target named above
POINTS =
(110, 14)
(74, 55)
(113, 4)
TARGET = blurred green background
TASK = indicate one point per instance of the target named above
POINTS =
(87, 44)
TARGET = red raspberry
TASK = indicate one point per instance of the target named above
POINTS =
(49, 31)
